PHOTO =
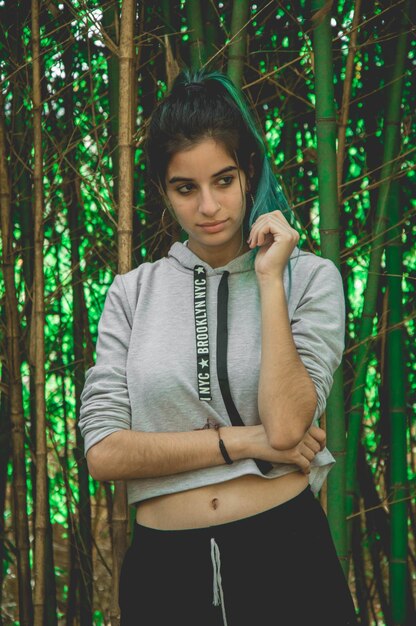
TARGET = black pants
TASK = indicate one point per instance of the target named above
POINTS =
(277, 568)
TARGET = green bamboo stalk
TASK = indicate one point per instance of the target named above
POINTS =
(391, 147)
(166, 16)
(374, 538)
(397, 410)
(212, 30)
(359, 568)
(346, 94)
(237, 47)
(196, 35)
(330, 234)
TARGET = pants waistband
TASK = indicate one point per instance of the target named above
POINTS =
(287, 510)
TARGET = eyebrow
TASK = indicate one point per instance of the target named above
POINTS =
(177, 179)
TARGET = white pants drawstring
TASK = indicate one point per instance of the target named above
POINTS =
(217, 586)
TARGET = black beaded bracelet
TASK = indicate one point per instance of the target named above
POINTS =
(223, 449)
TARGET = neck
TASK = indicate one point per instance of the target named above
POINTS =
(219, 258)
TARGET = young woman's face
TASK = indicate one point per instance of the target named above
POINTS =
(206, 190)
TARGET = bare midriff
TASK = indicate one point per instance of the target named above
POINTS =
(220, 503)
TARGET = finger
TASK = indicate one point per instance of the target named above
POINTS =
(276, 215)
(319, 435)
(261, 234)
(316, 431)
(258, 237)
(271, 224)
(273, 221)
(304, 465)
(307, 452)
(312, 444)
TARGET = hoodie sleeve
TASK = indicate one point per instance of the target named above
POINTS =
(105, 404)
(318, 328)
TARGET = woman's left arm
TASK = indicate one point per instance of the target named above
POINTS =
(287, 398)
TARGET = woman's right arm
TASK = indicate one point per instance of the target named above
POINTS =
(124, 455)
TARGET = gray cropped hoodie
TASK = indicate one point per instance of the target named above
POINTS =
(159, 345)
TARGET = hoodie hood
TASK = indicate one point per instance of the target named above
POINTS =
(185, 260)
(180, 255)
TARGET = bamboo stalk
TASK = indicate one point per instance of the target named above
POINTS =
(5, 450)
(111, 24)
(172, 67)
(166, 17)
(196, 35)
(125, 229)
(25, 214)
(375, 535)
(125, 135)
(238, 45)
(212, 29)
(81, 578)
(397, 411)
(19, 489)
(83, 536)
(41, 505)
(391, 148)
(346, 95)
(330, 234)
(65, 464)
(359, 573)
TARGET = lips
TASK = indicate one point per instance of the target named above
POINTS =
(212, 223)
(213, 227)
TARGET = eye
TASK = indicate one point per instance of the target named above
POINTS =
(225, 181)
(184, 189)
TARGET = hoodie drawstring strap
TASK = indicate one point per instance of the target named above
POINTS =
(217, 581)
(222, 371)
(201, 333)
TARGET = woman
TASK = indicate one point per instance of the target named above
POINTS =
(213, 367)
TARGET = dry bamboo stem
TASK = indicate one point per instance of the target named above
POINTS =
(41, 507)
(124, 230)
(19, 490)
(126, 120)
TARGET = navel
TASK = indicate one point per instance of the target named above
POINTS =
(215, 503)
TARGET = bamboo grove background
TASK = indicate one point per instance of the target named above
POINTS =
(332, 85)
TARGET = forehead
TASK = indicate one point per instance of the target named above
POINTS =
(205, 156)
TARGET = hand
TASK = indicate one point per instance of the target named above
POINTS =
(301, 455)
(304, 453)
(276, 239)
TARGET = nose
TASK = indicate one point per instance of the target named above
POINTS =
(208, 204)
